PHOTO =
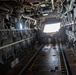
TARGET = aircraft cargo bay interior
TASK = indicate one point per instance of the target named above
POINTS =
(37, 37)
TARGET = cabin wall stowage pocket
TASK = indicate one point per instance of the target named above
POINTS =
(24, 45)
(5, 37)
(16, 35)
(17, 49)
(7, 53)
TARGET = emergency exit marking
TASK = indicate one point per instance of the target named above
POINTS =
(13, 63)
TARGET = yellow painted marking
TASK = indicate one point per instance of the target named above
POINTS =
(73, 64)
(59, 64)
(44, 70)
(32, 64)
(41, 64)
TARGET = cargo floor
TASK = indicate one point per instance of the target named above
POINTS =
(47, 62)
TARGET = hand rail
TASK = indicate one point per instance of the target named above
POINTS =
(14, 43)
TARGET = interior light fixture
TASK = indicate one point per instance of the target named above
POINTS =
(43, 5)
(20, 26)
(45, 14)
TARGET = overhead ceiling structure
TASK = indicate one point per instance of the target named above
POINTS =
(32, 8)
(30, 0)
(30, 4)
(52, 20)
